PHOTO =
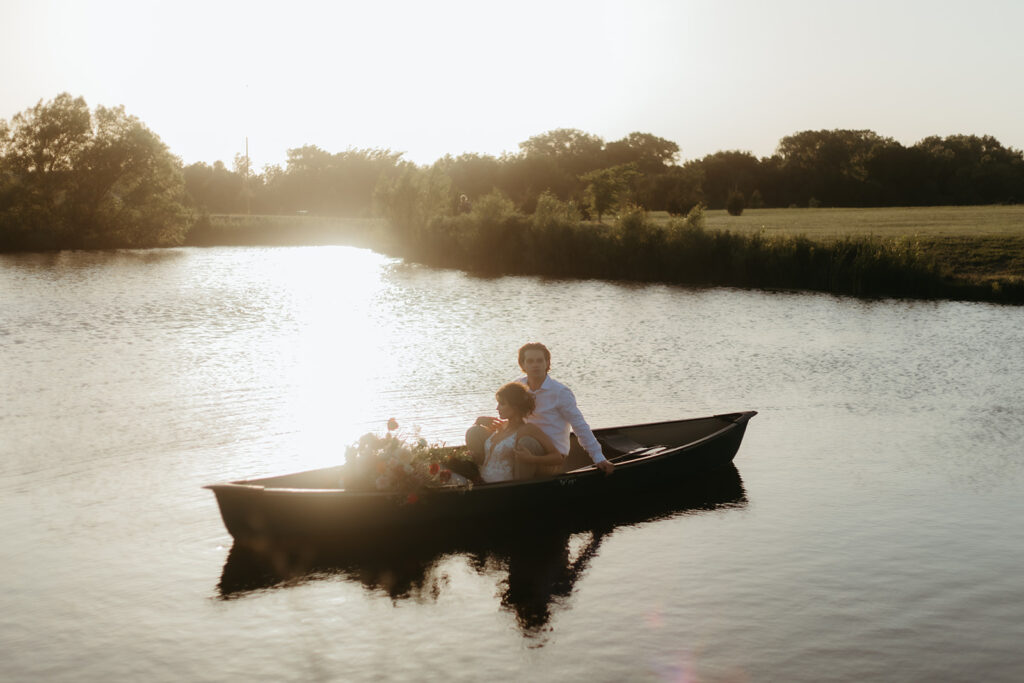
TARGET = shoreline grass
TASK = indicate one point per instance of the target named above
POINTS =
(973, 253)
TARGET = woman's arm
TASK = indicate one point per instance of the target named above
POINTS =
(551, 455)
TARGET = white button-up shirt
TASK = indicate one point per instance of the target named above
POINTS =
(556, 412)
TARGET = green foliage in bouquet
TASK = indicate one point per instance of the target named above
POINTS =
(401, 465)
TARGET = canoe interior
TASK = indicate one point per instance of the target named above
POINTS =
(619, 440)
(327, 478)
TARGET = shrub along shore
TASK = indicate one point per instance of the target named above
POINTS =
(704, 249)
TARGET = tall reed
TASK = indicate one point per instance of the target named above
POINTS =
(496, 239)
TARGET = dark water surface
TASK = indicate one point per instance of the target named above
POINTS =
(873, 528)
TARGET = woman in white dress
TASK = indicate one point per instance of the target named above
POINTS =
(505, 454)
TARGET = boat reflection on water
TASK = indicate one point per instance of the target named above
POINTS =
(542, 558)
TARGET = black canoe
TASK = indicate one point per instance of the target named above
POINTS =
(648, 457)
(540, 567)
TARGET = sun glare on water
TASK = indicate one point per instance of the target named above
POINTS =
(333, 347)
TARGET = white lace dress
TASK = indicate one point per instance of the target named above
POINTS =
(499, 461)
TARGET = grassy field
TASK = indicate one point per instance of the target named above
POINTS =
(978, 243)
(825, 224)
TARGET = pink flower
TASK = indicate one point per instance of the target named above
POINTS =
(392, 424)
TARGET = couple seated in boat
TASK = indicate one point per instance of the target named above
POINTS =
(530, 438)
(511, 448)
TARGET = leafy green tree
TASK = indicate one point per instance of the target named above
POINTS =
(409, 197)
(71, 179)
(549, 162)
(651, 154)
(735, 203)
(215, 189)
(493, 208)
(971, 169)
(473, 175)
(552, 213)
(525, 177)
(830, 165)
(341, 184)
(903, 176)
(678, 190)
(727, 171)
(568, 144)
(606, 187)
(38, 154)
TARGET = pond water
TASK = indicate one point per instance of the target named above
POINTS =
(871, 530)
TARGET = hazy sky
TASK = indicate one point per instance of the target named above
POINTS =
(432, 77)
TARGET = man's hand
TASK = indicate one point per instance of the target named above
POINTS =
(605, 467)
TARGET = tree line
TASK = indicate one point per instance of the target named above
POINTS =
(835, 168)
(71, 177)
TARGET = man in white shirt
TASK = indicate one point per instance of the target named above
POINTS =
(556, 412)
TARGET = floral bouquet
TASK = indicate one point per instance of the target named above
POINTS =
(394, 463)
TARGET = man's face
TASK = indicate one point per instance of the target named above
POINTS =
(534, 363)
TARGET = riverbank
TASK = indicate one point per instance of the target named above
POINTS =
(970, 253)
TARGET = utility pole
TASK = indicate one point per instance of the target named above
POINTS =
(246, 175)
